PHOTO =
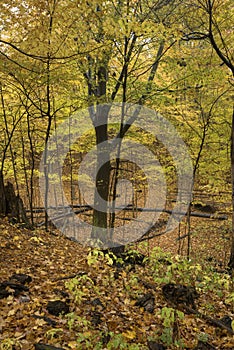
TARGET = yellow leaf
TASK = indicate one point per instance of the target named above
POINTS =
(72, 344)
(11, 312)
(232, 325)
(87, 334)
(40, 322)
(124, 274)
(16, 238)
(2, 323)
(129, 334)
(36, 239)
(43, 273)
(18, 334)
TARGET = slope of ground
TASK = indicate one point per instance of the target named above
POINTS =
(107, 300)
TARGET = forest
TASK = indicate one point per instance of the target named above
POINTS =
(117, 174)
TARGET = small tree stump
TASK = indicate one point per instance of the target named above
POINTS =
(11, 204)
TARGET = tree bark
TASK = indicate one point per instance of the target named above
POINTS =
(231, 260)
(2, 196)
(11, 204)
(100, 217)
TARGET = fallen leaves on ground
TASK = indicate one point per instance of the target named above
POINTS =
(105, 301)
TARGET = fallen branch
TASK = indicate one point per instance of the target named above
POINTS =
(84, 208)
(81, 273)
(209, 319)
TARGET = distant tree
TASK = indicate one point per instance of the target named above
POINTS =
(212, 20)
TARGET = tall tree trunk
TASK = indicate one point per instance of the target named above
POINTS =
(231, 261)
(49, 114)
(100, 217)
(222, 50)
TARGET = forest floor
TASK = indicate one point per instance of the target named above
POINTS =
(108, 305)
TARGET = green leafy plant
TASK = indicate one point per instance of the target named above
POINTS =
(94, 341)
(203, 337)
(119, 342)
(7, 344)
(94, 257)
(75, 288)
(53, 333)
(80, 287)
(167, 269)
(170, 318)
(74, 321)
(88, 340)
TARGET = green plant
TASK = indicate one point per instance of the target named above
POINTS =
(119, 342)
(53, 332)
(96, 256)
(73, 286)
(8, 344)
(91, 341)
(230, 298)
(214, 282)
(158, 263)
(170, 318)
(203, 337)
(167, 269)
(75, 321)
(76, 286)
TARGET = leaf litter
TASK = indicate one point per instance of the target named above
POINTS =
(102, 303)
